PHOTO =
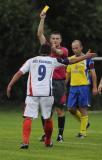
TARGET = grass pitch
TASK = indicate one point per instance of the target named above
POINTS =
(72, 148)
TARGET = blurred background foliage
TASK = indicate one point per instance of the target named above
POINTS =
(19, 20)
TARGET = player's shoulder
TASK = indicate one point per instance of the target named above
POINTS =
(44, 59)
(65, 51)
(64, 48)
(28, 60)
(71, 57)
(33, 59)
(36, 58)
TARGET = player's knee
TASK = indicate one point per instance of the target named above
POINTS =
(83, 111)
(60, 112)
(72, 111)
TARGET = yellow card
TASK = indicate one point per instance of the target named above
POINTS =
(45, 9)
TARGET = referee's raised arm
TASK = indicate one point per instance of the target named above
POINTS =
(40, 32)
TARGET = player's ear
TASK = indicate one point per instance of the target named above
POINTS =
(61, 40)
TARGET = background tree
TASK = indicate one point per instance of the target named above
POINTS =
(76, 19)
(17, 34)
(19, 20)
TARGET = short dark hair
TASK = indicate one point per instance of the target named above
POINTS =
(45, 49)
(56, 33)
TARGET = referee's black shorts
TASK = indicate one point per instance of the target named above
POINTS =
(59, 92)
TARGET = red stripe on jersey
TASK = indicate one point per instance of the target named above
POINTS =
(92, 66)
(30, 87)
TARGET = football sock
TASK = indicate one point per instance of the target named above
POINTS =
(43, 121)
(84, 122)
(26, 130)
(78, 115)
(61, 124)
(48, 127)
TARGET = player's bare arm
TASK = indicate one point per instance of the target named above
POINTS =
(67, 61)
(56, 50)
(94, 82)
(83, 57)
(100, 87)
(40, 32)
(15, 78)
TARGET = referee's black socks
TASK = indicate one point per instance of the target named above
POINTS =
(61, 124)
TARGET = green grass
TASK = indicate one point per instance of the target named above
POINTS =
(72, 148)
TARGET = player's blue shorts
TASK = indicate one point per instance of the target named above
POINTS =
(78, 96)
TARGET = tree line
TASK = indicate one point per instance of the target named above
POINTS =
(19, 20)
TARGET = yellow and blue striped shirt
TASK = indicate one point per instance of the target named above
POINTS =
(79, 72)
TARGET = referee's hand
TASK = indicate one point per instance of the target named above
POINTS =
(42, 15)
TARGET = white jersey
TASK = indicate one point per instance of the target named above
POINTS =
(40, 70)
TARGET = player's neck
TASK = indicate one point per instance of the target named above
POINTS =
(43, 54)
(79, 54)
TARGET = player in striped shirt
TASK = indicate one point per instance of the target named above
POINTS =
(39, 90)
(78, 99)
